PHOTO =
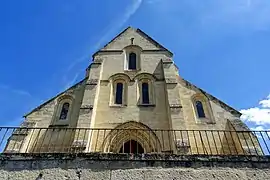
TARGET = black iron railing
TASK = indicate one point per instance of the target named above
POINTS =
(85, 140)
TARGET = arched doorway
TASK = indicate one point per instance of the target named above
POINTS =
(131, 137)
(132, 146)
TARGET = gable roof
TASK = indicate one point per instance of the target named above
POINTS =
(141, 33)
(211, 97)
(48, 101)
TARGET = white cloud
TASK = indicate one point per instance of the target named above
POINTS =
(260, 133)
(259, 128)
(265, 103)
(259, 115)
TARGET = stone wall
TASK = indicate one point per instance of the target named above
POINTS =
(130, 167)
(45, 115)
(172, 105)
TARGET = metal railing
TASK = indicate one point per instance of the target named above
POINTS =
(85, 140)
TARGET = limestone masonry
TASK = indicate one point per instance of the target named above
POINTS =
(132, 83)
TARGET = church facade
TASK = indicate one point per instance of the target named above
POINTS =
(132, 84)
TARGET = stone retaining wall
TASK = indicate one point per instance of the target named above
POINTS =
(131, 167)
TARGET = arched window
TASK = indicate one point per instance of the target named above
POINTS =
(145, 93)
(119, 93)
(64, 111)
(200, 110)
(132, 61)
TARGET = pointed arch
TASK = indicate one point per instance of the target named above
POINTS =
(131, 131)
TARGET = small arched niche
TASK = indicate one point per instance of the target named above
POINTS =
(63, 110)
(132, 58)
(119, 89)
(202, 109)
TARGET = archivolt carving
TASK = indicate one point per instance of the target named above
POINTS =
(131, 131)
(65, 96)
(133, 47)
(120, 76)
(145, 76)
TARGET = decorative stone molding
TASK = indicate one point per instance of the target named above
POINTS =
(166, 65)
(119, 135)
(102, 52)
(85, 109)
(125, 76)
(171, 80)
(104, 82)
(58, 125)
(141, 76)
(98, 60)
(146, 105)
(92, 82)
(94, 65)
(175, 106)
(66, 95)
(167, 61)
(86, 106)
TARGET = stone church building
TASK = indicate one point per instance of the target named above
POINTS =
(132, 96)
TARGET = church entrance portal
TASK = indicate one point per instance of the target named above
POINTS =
(132, 147)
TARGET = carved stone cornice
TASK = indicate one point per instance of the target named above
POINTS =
(92, 82)
(98, 60)
(167, 61)
(176, 106)
(86, 106)
(171, 80)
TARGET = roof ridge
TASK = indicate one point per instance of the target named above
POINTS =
(138, 31)
(223, 105)
(59, 94)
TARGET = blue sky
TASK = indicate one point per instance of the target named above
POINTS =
(221, 46)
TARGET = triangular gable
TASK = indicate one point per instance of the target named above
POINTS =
(153, 41)
(155, 44)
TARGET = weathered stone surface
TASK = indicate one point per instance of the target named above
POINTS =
(128, 167)
(167, 91)
(172, 98)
